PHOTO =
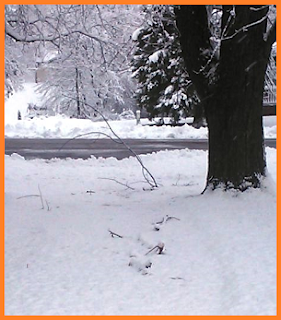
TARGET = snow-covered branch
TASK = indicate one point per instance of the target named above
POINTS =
(270, 36)
(259, 8)
(9, 31)
(245, 28)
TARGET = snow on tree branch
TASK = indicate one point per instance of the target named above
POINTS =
(17, 37)
(245, 28)
(270, 36)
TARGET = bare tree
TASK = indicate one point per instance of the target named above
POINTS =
(89, 46)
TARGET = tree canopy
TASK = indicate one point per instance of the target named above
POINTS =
(84, 48)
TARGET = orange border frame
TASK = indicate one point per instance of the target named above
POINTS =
(2, 141)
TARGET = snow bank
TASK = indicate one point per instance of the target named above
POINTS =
(63, 127)
(60, 258)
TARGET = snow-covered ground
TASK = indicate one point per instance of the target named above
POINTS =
(60, 258)
(63, 127)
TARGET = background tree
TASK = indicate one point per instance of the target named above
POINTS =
(159, 67)
(228, 74)
(17, 55)
(85, 50)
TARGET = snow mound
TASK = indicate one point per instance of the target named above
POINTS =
(64, 127)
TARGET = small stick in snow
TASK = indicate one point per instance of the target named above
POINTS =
(167, 218)
(37, 196)
(90, 191)
(122, 184)
(41, 197)
(113, 234)
(164, 220)
(160, 222)
(160, 246)
(29, 196)
(177, 278)
(148, 189)
(170, 218)
(48, 207)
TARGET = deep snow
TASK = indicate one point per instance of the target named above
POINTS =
(60, 257)
(220, 256)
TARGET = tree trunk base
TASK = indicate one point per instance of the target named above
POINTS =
(254, 181)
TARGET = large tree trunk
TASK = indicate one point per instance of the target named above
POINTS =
(233, 95)
(234, 113)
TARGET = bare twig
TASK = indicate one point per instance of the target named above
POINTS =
(170, 218)
(41, 197)
(37, 196)
(160, 247)
(157, 225)
(160, 222)
(211, 59)
(245, 28)
(90, 191)
(165, 219)
(146, 173)
(40, 38)
(113, 234)
(29, 196)
(88, 134)
(177, 278)
(122, 184)
(148, 189)
(48, 207)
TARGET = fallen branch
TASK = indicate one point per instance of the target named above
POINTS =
(148, 189)
(160, 222)
(164, 220)
(170, 218)
(113, 234)
(122, 184)
(90, 191)
(160, 247)
(177, 278)
(146, 173)
(29, 196)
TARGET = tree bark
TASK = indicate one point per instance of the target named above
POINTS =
(234, 114)
(77, 82)
(233, 96)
